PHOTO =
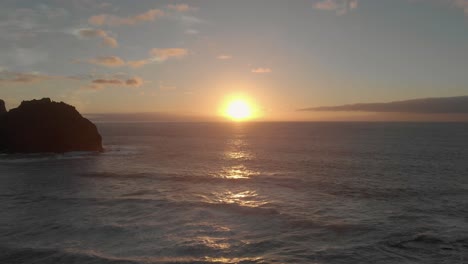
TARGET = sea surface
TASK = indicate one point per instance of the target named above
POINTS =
(243, 193)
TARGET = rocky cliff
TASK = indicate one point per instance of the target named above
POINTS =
(46, 126)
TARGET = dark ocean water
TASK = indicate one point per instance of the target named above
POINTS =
(243, 193)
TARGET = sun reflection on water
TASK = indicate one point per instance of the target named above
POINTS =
(215, 243)
(245, 198)
(238, 155)
(236, 159)
(237, 150)
(237, 172)
(233, 260)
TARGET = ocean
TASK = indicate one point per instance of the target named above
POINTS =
(243, 193)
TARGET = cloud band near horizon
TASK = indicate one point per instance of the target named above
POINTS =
(443, 105)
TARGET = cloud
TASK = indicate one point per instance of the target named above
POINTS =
(165, 54)
(262, 70)
(180, 13)
(108, 81)
(93, 33)
(93, 87)
(156, 55)
(224, 57)
(180, 7)
(138, 63)
(443, 105)
(96, 82)
(159, 55)
(341, 7)
(22, 78)
(115, 61)
(112, 20)
(134, 81)
(101, 83)
(108, 61)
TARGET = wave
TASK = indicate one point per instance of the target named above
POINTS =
(336, 227)
(123, 150)
(109, 150)
(115, 175)
(46, 256)
(13, 255)
(286, 182)
(156, 176)
(235, 208)
(41, 157)
(428, 240)
(429, 249)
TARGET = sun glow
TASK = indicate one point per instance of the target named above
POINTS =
(239, 110)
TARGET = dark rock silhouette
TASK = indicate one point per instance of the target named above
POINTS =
(46, 126)
(2, 107)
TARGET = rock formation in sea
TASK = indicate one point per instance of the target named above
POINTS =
(2, 107)
(45, 126)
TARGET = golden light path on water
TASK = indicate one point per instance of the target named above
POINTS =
(237, 152)
(235, 167)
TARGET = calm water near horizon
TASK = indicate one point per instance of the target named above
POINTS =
(243, 193)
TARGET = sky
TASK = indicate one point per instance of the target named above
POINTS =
(191, 57)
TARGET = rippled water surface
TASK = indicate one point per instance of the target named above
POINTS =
(243, 193)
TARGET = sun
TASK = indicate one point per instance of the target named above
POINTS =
(239, 110)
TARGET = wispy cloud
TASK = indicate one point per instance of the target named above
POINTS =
(261, 70)
(181, 7)
(109, 61)
(134, 82)
(108, 81)
(101, 83)
(95, 82)
(224, 57)
(138, 63)
(22, 78)
(165, 54)
(444, 105)
(156, 55)
(93, 33)
(159, 55)
(339, 6)
(113, 20)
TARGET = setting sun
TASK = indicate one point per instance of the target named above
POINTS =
(255, 131)
(239, 110)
